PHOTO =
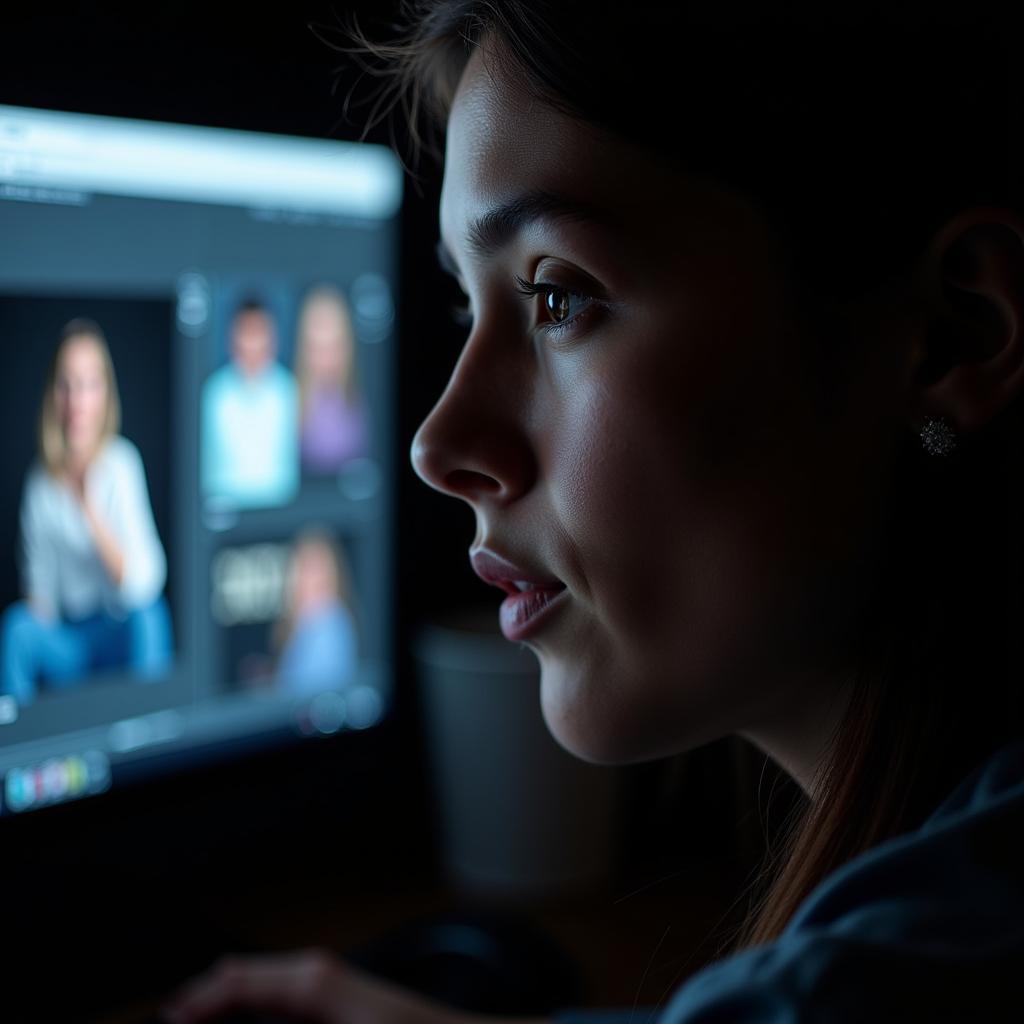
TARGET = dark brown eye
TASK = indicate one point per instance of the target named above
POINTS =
(561, 305)
(558, 304)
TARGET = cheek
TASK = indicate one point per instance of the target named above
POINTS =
(652, 453)
(678, 479)
(615, 485)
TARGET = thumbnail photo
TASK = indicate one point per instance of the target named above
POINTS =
(333, 416)
(282, 400)
(84, 584)
(287, 614)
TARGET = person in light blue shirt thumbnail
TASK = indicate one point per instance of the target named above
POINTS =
(249, 410)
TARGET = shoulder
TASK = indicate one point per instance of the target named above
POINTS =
(281, 377)
(927, 925)
(835, 975)
(37, 475)
(337, 616)
(39, 482)
(120, 454)
(121, 465)
(328, 620)
(222, 379)
(967, 857)
(998, 780)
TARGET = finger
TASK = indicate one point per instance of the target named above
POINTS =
(289, 983)
(234, 984)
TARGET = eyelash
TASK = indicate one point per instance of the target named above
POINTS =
(534, 288)
(463, 315)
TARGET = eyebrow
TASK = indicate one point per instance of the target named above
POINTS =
(495, 229)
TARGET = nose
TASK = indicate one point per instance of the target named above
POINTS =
(474, 443)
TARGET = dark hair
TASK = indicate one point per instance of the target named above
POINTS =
(251, 304)
(857, 135)
(886, 118)
(81, 325)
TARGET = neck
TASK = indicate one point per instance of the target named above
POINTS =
(798, 739)
(80, 457)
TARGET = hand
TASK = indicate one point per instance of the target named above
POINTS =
(76, 477)
(312, 985)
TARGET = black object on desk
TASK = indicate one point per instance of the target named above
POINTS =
(481, 961)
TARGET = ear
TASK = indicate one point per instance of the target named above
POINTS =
(968, 363)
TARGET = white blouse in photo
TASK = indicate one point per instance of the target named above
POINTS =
(61, 566)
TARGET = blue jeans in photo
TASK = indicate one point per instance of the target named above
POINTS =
(62, 654)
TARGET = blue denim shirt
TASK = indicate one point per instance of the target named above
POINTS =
(927, 926)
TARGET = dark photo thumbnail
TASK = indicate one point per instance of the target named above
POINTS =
(288, 614)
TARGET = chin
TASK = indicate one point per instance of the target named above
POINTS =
(601, 721)
(589, 728)
(76, 445)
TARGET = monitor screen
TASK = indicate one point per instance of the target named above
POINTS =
(197, 329)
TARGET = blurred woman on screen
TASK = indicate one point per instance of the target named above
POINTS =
(333, 427)
(93, 568)
(316, 635)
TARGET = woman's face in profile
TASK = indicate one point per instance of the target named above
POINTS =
(80, 391)
(649, 429)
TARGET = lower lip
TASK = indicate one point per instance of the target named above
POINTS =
(524, 613)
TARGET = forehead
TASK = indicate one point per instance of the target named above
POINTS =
(81, 351)
(323, 306)
(252, 320)
(502, 141)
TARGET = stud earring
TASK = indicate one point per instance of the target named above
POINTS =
(937, 436)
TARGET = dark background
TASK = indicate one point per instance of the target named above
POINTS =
(167, 871)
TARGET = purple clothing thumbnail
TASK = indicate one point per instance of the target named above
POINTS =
(333, 431)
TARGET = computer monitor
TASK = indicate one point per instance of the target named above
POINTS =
(197, 334)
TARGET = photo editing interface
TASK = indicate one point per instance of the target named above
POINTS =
(197, 329)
